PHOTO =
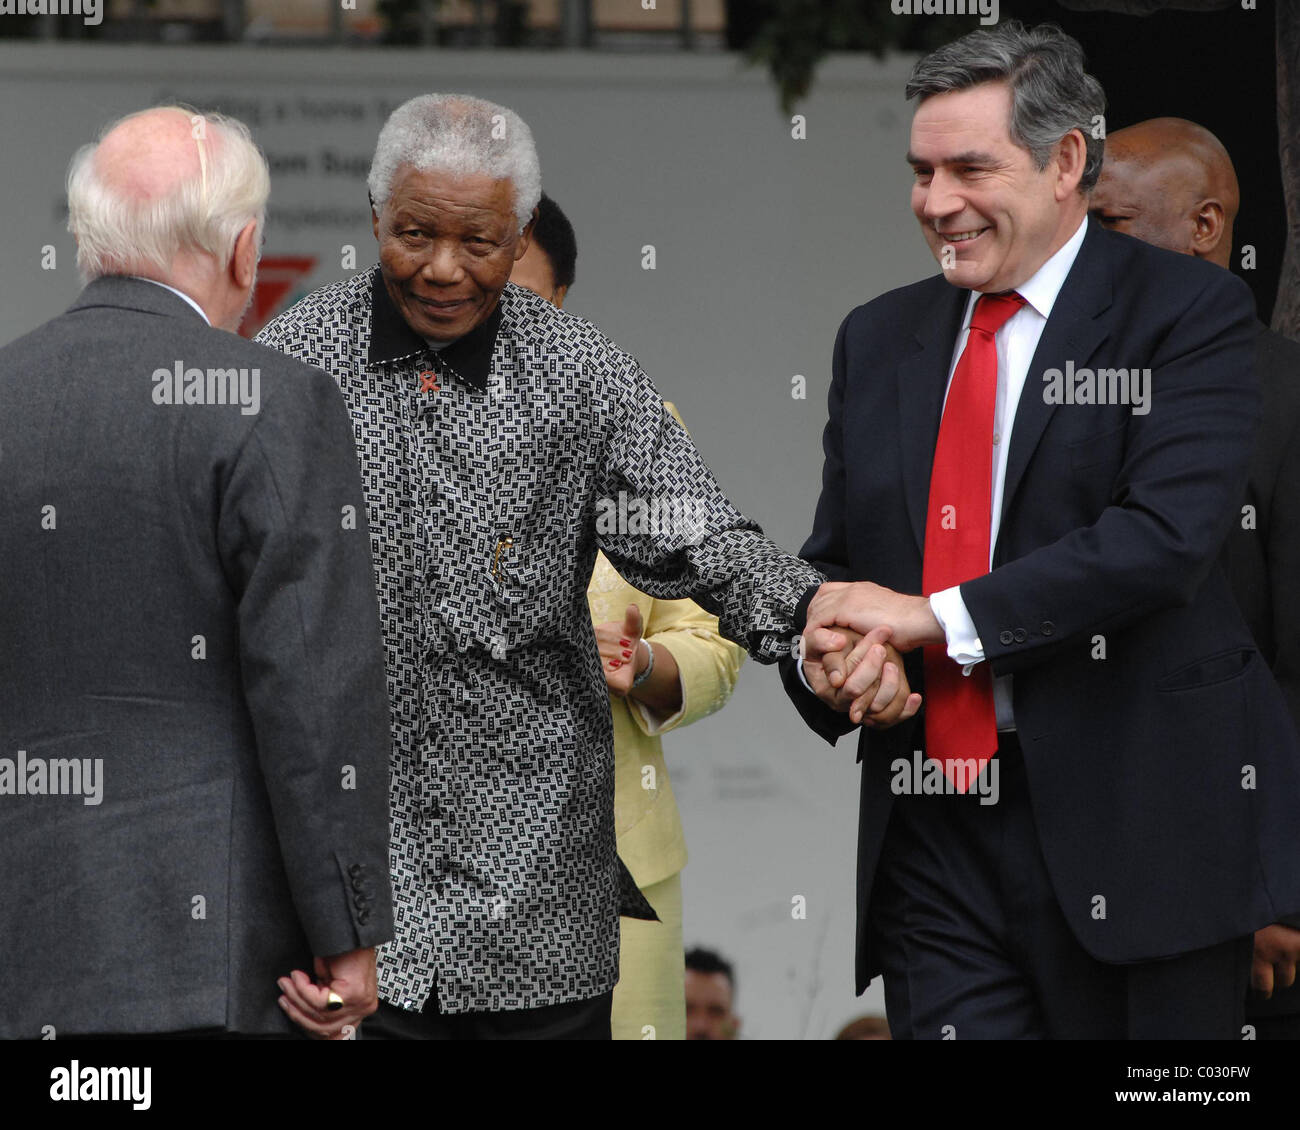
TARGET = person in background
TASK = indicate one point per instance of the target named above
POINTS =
(710, 997)
(666, 666)
(865, 1028)
(550, 264)
(1170, 182)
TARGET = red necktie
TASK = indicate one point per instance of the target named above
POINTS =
(960, 721)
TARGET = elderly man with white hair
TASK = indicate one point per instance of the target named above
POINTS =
(193, 722)
(503, 442)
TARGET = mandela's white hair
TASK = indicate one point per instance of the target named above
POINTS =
(118, 233)
(462, 136)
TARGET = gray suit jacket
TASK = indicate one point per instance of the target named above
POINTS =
(194, 734)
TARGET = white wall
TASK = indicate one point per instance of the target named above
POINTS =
(763, 243)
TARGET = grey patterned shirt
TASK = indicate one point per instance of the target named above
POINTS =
(494, 469)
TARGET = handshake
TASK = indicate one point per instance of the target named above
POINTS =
(851, 648)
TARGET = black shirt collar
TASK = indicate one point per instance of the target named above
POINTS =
(468, 357)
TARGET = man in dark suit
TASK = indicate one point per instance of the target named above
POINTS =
(1171, 182)
(193, 716)
(1049, 441)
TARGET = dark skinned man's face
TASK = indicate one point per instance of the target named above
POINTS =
(446, 247)
(708, 1007)
(536, 272)
(1141, 202)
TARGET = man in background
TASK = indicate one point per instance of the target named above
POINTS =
(190, 643)
(550, 264)
(1170, 182)
(865, 1028)
(710, 997)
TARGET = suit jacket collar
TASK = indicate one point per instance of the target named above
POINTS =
(922, 380)
(1073, 331)
(123, 293)
(391, 339)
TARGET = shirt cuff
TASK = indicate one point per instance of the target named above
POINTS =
(651, 724)
(800, 616)
(799, 671)
(959, 629)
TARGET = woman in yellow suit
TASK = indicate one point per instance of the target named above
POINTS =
(692, 674)
(683, 670)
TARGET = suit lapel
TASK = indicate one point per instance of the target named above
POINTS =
(1073, 332)
(922, 379)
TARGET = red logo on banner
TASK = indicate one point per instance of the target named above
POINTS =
(278, 278)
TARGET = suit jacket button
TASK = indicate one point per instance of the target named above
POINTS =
(1047, 627)
(1021, 635)
(354, 870)
(360, 902)
(363, 917)
(1007, 637)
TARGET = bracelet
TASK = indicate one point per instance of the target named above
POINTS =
(641, 678)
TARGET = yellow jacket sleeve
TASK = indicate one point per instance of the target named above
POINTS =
(708, 664)
(649, 829)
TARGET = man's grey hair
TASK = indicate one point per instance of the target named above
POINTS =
(1051, 93)
(463, 136)
(118, 234)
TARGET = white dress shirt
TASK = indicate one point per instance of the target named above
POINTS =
(1015, 343)
(178, 293)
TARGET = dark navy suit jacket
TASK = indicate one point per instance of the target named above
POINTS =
(1164, 777)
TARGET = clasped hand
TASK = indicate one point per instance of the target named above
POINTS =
(851, 644)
